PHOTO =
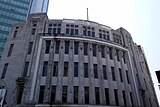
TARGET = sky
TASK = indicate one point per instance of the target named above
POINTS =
(139, 17)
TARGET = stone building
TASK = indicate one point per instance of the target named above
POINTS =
(74, 63)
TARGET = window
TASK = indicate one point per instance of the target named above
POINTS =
(54, 31)
(67, 30)
(104, 36)
(25, 68)
(95, 70)
(76, 48)
(49, 30)
(89, 33)
(85, 70)
(58, 30)
(4, 71)
(45, 67)
(110, 53)
(84, 32)
(116, 97)
(94, 50)
(124, 98)
(19, 94)
(124, 59)
(72, 31)
(107, 96)
(102, 52)
(65, 69)
(97, 95)
(33, 31)
(15, 33)
(57, 47)
(75, 95)
(66, 47)
(48, 42)
(131, 99)
(104, 71)
(41, 94)
(86, 92)
(53, 94)
(85, 49)
(127, 77)
(30, 47)
(113, 74)
(10, 50)
(93, 34)
(55, 69)
(120, 74)
(117, 53)
(76, 32)
(75, 69)
(64, 94)
(100, 35)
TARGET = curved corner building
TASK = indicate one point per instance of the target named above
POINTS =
(76, 63)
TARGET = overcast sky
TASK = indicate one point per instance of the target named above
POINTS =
(139, 17)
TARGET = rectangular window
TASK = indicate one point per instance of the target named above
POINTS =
(65, 69)
(124, 58)
(100, 35)
(4, 70)
(41, 94)
(57, 47)
(95, 70)
(64, 94)
(53, 94)
(85, 48)
(124, 98)
(104, 71)
(117, 53)
(107, 96)
(86, 92)
(76, 32)
(85, 70)
(72, 31)
(116, 97)
(48, 42)
(89, 33)
(25, 68)
(102, 52)
(54, 31)
(55, 69)
(110, 53)
(19, 94)
(33, 31)
(113, 74)
(104, 36)
(131, 99)
(93, 34)
(76, 48)
(58, 30)
(127, 77)
(84, 32)
(75, 95)
(120, 74)
(10, 50)
(15, 34)
(94, 50)
(67, 30)
(75, 69)
(66, 47)
(30, 47)
(45, 67)
(97, 95)
(49, 30)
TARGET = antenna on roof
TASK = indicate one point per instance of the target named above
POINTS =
(87, 14)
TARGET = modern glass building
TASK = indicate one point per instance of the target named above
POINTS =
(11, 12)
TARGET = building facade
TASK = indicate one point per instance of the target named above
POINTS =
(74, 63)
(14, 11)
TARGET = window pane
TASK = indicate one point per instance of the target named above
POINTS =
(86, 91)
(120, 74)
(75, 69)
(59, 31)
(15, 34)
(104, 72)
(127, 77)
(55, 69)
(67, 30)
(25, 68)
(85, 70)
(76, 31)
(65, 69)
(64, 94)
(116, 97)
(4, 71)
(124, 97)
(41, 94)
(75, 95)
(110, 53)
(19, 94)
(66, 47)
(30, 47)
(113, 74)
(94, 50)
(45, 67)
(102, 52)
(95, 71)
(53, 94)
(76, 48)
(57, 47)
(48, 42)
(97, 95)
(33, 31)
(10, 50)
(85, 49)
(107, 96)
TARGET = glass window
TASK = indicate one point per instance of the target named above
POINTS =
(25, 68)
(107, 96)
(113, 74)
(86, 92)
(75, 69)
(85, 48)
(53, 94)
(76, 48)
(49, 30)
(89, 33)
(45, 67)
(57, 47)
(41, 94)
(104, 36)
(93, 34)
(124, 59)
(110, 53)
(116, 97)
(66, 47)
(65, 69)
(10, 50)
(104, 71)
(97, 95)
(127, 77)
(75, 95)
(33, 31)
(48, 42)
(4, 71)
(102, 52)
(94, 50)
(120, 74)
(124, 97)
(132, 98)
(100, 35)
(76, 32)
(67, 30)
(117, 53)
(30, 47)
(64, 94)
(15, 34)
(55, 69)
(58, 30)
(95, 70)
(54, 31)
(19, 94)
(84, 32)
(72, 31)
(85, 70)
